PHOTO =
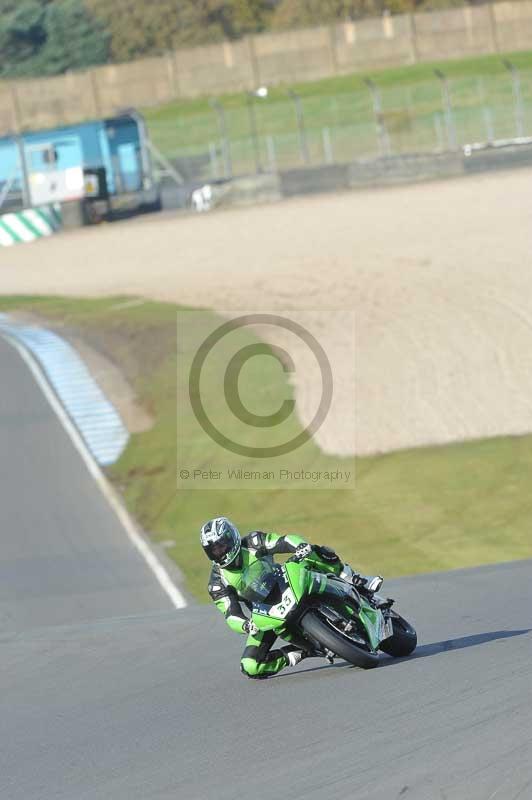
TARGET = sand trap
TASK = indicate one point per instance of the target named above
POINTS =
(439, 276)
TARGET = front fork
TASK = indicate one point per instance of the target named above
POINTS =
(346, 599)
(337, 592)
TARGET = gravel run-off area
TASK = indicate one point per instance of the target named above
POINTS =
(437, 278)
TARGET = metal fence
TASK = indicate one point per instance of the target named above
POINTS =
(270, 132)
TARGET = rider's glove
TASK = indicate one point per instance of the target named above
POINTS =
(302, 551)
(250, 628)
(371, 583)
(326, 554)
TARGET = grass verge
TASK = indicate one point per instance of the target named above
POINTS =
(456, 69)
(431, 508)
(340, 108)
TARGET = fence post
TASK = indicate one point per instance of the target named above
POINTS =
(327, 146)
(226, 143)
(272, 157)
(447, 109)
(382, 132)
(261, 92)
(213, 159)
(518, 97)
(486, 110)
(488, 122)
(253, 131)
(303, 144)
(439, 132)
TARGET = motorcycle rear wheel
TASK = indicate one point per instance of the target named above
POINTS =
(322, 630)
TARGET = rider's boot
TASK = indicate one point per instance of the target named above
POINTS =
(294, 654)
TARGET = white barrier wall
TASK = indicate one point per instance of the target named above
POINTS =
(22, 227)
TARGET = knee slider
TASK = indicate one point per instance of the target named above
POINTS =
(249, 667)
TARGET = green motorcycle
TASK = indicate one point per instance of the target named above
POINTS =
(303, 602)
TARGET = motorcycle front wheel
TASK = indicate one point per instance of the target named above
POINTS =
(404, 639)
(331, 638)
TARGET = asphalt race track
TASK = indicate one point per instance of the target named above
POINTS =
(105, 695)
(64, 557)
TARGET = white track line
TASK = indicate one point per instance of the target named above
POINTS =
(145, 551)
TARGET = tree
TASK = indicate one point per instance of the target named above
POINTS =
(139, 27)
(49, 37)
(309, 13)
(74, 39)
(239, 17)
(8, 6)
(22, 33)
(52, 36)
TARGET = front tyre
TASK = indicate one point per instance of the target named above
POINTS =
(404, 639)
(324, 632)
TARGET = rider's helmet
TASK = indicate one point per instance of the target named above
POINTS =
(221, 541)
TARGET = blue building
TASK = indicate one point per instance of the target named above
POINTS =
(93, 160)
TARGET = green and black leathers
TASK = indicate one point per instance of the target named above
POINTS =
(227, 585)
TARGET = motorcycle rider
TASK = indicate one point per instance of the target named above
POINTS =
(230, 555)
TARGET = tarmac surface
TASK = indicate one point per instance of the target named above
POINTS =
(64, 556)
(106, 695)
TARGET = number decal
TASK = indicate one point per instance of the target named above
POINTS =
(287, 603)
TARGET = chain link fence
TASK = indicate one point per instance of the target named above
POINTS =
(271, 133)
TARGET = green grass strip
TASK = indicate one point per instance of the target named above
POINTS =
(418, 510)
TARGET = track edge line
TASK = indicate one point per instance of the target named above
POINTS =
(104, 485)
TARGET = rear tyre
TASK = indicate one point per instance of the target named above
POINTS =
(404, 639)
(323, 631)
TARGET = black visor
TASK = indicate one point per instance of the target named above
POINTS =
(217, 551)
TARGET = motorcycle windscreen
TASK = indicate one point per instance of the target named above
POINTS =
(258, 581)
